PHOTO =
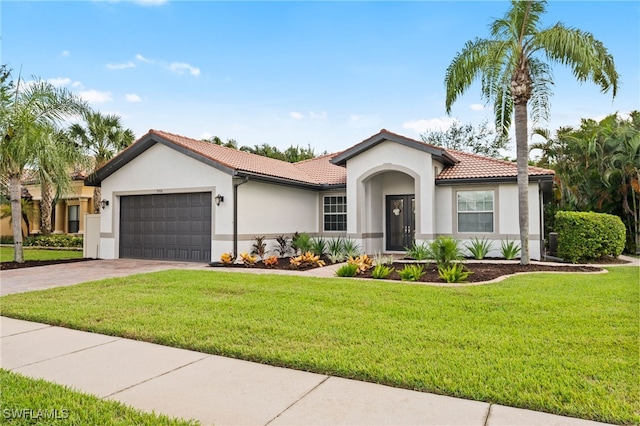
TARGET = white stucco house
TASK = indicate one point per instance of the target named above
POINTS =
(172, 197)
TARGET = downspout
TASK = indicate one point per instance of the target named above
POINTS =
(235, 216)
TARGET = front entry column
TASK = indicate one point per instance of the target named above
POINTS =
(35, 226)
(60, 217)
(84, 209)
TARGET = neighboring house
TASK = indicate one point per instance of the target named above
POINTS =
(171, 197)
(67, 216)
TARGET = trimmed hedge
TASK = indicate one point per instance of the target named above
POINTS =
(584, 236)
(57, 240)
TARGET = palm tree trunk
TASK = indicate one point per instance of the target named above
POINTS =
(96, 199)
(16, 214)
(522, 156)
(45, 207)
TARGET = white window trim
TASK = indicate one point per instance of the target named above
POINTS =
(494, 212)
(324, 214)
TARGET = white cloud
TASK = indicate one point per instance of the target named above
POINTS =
(424, 125)
(477, 107)
(312, 115)
(60, 81)
(121, 66)
(132, 97)
(318, 115)
(181, 68)
(96, 97)
(65, 53)
(76, 84)
(205, 135)
(142, 58)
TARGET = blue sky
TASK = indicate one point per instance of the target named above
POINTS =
(327, 74)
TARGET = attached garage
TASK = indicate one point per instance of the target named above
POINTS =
(166, 226)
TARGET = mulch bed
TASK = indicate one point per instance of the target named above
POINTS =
(486, 271)
(283, 264)
(31, 263)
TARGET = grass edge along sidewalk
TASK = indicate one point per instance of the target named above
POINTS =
(27, 401)
(558, 343)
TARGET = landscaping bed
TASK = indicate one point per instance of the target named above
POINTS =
(31, 263)
(483, 271)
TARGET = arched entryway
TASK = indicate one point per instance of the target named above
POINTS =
(388, 208)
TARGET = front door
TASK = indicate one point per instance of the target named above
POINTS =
(401, 220)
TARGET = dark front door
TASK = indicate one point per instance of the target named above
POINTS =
(401, 220)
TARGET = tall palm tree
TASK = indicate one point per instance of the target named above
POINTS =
(512, 69)
(101, 136)
(53, 167)
(26, 110)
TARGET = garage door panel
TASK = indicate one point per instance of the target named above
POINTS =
(166, 226)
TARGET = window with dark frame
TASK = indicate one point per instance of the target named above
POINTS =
(475, 211)
(74, 219)
(335, 213)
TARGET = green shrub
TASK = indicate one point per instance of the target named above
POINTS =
(455, 273)
(584, 236)
(509, 249)
(300, 243)
(444, 251)
(318, 246)
(347, 270)
(381, 271)
(411, 272)
(350, 248)
(72, 241)
(6, 239)
(479, 248)
(418, 251)
(335, 250)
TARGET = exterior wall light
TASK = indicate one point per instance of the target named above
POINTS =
(219, 199)
(104, 204)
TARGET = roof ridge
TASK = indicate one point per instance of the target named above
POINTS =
(256, 157)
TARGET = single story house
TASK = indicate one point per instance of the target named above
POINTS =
(171, 197)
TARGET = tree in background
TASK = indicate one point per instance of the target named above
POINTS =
(596, 169)
(293, 154)
(26, 110)
(54, 168)
(464, 137)
(101, 137)
(513, 73)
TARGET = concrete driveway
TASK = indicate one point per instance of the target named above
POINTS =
(44, 277)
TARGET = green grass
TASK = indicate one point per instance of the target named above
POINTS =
(561, 343)
(27, 401)
(6, 254)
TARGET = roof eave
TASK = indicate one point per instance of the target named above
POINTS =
(440, 153)
(140, 146)
(492, 179)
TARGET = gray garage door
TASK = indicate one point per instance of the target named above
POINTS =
(166, 226)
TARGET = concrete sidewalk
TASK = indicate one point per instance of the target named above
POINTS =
(224, 391)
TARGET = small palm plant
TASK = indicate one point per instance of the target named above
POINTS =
(479, 248)
(259, 247)
(509, 249)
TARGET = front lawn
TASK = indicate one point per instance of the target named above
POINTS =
(6, 254)
(27, 401)
(561, 343)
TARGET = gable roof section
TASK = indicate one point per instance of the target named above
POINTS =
(476, 168)
(314, 173)
(437, 152)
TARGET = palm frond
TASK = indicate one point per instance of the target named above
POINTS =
(587, 57)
